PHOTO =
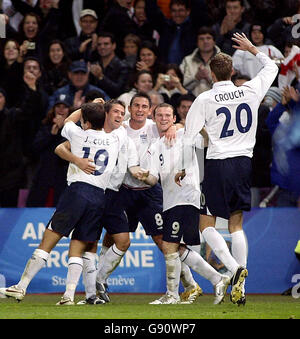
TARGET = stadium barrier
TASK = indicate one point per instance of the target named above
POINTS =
(272, 235)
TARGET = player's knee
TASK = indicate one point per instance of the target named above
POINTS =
(182, 249)
(122, 243)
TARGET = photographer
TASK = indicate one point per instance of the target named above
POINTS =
(169, 85)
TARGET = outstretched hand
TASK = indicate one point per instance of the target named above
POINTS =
(243, 43)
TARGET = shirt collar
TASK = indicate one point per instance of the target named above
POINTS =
(222, 83)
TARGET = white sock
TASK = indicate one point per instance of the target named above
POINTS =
(75, 265)
(199, 265)
(239, 247)
(186, 277)
(89, 272)
(217, 243)
(34, 264)
(173, 268)
(110, 261)
(102, 253)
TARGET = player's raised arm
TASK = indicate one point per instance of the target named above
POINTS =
(243, 43)
(264, 79)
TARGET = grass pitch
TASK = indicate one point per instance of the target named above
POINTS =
(130, 306)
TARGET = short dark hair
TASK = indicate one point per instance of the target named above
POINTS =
(93, 94)
(185, 3)
(110, 35)
(109, 104)
(240, 1)
(93, 113)
(141, 95)
(185, 97)
(206, 30)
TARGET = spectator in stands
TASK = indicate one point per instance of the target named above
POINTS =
(232, 22)
(11, 69)
(178, 34)
(108, 71)
(70, 15)
(143, 82)
(184, 102)
(156, 99)
(36, 33)
(169, 84)
(15, 17)
(77, 87)
(144, 28)
(56, 66)
(34, 94)
(195, 66)
(118, 21)
(82, 45)
(50, 177)
(12, 165)
(131, 47)
(148, 59)
(280, 32)
(245, 62)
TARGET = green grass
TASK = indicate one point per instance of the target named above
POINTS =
(130, 306)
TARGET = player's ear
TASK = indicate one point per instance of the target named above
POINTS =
(213, 76)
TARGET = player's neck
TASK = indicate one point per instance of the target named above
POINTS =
(136, 124)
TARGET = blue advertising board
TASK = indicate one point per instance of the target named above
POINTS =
(272, 235)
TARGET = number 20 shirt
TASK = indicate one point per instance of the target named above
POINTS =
(229, 114)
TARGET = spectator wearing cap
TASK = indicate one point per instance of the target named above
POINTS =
(50, 176)
(245, 62)
(77, 87)
(108, 71)
(71, 9)
(272, 97)
(82, 45)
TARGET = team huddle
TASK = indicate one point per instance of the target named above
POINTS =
(146, 170)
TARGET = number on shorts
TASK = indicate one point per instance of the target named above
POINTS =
(158, 219)
(100, 159)
(243, 129)
(175, 227)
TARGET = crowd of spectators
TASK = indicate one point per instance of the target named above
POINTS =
(58, 54)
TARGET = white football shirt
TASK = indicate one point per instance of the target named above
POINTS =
(229, 114)
(102, 147)
(127, 158)
(142, 139)
(165, 162)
